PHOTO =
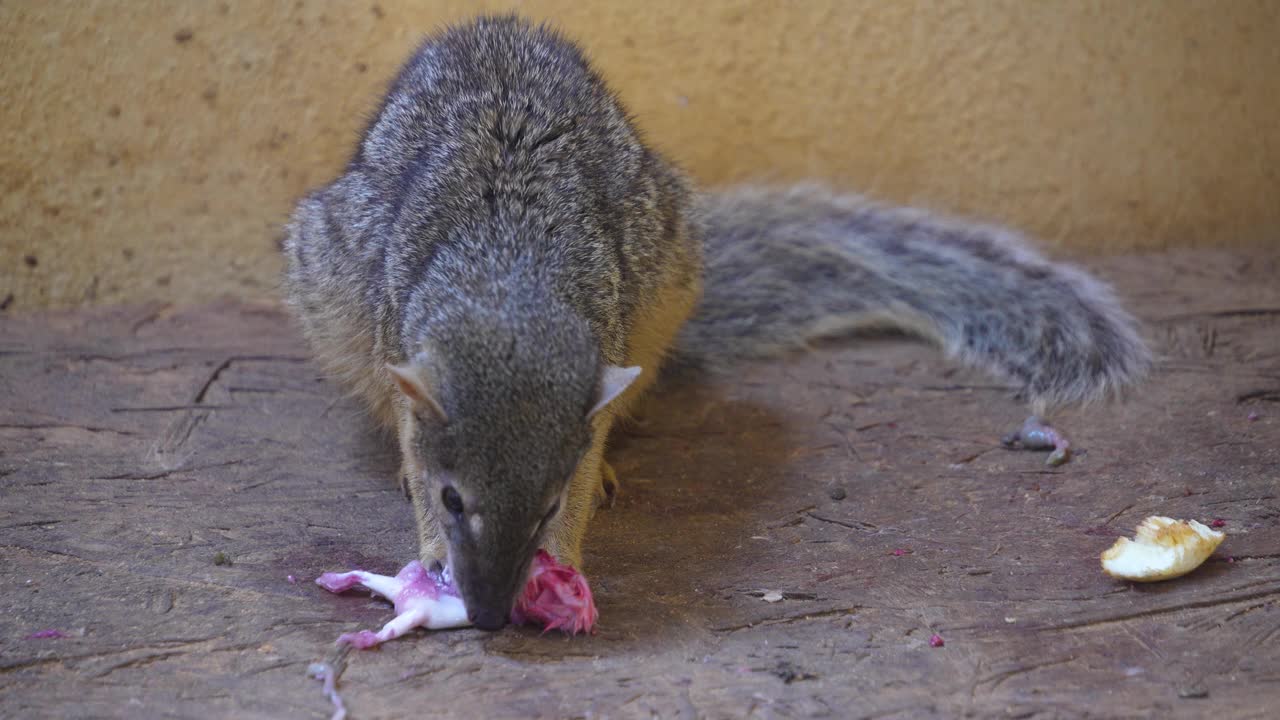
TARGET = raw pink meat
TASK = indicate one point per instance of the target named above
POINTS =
(556, 596)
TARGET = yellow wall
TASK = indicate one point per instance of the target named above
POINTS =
(152, 148)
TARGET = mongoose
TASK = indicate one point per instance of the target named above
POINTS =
(504, 264)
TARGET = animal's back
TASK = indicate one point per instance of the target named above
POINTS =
(497, 157)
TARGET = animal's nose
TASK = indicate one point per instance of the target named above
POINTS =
(488, 619)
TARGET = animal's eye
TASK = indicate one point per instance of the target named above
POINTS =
(452, 500)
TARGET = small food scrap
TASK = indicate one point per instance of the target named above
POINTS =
(1035, 434)
(1193, 692)
(936, 641)
(1217, 523)
(772, 596)
(324, 673)
(1162, 549)
(46, 634)
(556, 596)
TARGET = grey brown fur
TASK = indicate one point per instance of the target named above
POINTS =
(503, 237)
(787, 266)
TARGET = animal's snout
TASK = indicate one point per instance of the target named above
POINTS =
(488, 618)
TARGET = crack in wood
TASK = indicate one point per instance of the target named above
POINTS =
(30, 523)
(169, 473)
(997, 679)
(1264, 395)
(851, 524)
(1104, 620)
(789, 619)
(149, 317)
(1227, 313)
(164, 644)
(171, 408)
(138, 662)
(64, 426)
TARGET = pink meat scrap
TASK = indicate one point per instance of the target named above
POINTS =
(557, 596)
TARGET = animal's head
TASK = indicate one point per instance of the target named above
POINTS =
(501, 426)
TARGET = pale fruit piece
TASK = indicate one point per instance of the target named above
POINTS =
(1163, 548)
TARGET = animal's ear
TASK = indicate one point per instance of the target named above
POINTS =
(613, 381)
(412, 381)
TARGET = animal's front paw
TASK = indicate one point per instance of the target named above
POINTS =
(433, 555)
(608, 486)
(564, 550)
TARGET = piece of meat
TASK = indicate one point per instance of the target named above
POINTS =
(421, 599)
(557, 596)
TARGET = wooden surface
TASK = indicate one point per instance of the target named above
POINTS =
(135, 444)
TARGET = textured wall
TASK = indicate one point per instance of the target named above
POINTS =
(151, 149)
